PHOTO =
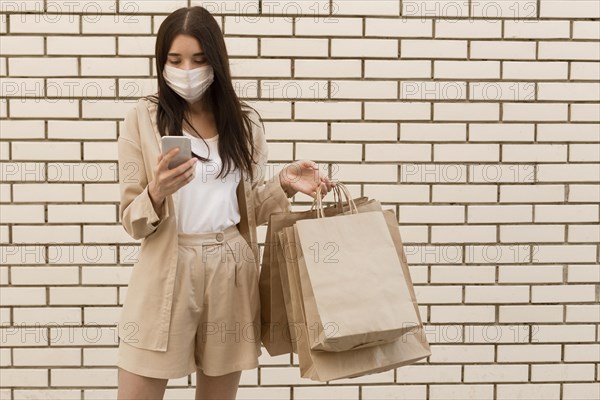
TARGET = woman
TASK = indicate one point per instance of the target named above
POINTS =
(192, 302)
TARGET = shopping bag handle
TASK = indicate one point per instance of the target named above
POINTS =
(348, 195)
(337, 198)
(337, 192)
(339, 186)
(319, 206)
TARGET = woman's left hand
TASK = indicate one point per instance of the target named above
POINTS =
(304, 176)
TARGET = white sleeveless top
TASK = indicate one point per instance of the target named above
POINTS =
(208, 203)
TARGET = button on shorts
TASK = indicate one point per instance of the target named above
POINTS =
(215, 318)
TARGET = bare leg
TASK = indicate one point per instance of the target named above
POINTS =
(223, 387)
(133, 387)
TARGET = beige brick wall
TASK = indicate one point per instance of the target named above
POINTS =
(476, 121)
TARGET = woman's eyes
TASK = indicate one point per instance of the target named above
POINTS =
(196, 61)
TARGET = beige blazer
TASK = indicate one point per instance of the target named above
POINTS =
(146, 313)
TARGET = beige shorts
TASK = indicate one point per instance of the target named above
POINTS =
(215, 320)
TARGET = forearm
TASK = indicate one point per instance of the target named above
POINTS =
(269, 198)
(285, 185)
(157, 200)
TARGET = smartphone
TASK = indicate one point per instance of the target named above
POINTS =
(185, 149)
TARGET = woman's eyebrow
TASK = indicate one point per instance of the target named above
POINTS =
(177, 54)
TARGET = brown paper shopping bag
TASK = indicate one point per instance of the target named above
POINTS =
(275, 332)
(354, 291)
(280, 221)
(324, 365)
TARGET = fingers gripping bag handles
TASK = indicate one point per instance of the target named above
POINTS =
(354, 289)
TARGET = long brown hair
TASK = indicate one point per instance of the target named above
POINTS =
(234, 126)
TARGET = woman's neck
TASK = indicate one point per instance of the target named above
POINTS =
(200, 108)
(201, 117)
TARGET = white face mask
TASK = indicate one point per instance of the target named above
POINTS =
(189, 84)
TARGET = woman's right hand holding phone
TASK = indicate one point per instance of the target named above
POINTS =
(167, 181)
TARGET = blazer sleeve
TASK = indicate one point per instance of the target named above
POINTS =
(268, 197)
(137, 213)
